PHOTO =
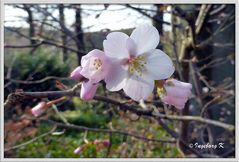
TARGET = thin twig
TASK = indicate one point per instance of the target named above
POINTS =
(38, 81)
(83, 128)
(208, 104)
(30, 141)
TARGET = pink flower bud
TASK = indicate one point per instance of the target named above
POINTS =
(96, 142)
(76, 73)
(106, 142)
(177, 93)
(88, 90)
(79, 149)
(39, 109)
(103, 142)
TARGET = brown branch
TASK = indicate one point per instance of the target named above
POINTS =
(189, 17)
(175, 50)
(83, 128)
(202, 16)
(41, 42)
(228, 21)
(23, 46)
(149, 16)
(18, 96)
(217, 10)
(176, 135)
(208, 104)
(37, 81)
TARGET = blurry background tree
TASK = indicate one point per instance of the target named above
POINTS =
(199, 38)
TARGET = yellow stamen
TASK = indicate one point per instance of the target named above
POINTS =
(137, 65)
(97, 64)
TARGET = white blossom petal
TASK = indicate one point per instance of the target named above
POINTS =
(131, 46)
(86, 57)
(159, 65)
(137, 88)
(146, 37)
(180, 84)
(115, 80)
(178, 91)
(115, 45)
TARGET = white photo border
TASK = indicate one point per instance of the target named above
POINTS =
(3, 2)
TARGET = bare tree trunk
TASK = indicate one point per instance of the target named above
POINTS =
(30, 20)
(157, 24)
(79, 33)
(63, 34)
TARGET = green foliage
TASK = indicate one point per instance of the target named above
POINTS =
(86, 113)
(63, 146)
(35, 67)
(50, 146)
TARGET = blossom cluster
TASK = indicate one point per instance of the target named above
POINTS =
(132, 64)
(129, 63)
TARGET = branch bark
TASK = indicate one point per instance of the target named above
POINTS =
(19, 96)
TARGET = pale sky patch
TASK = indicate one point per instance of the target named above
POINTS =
(116, 17)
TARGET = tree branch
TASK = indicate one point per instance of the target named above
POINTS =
(83, 128)
(19, 96)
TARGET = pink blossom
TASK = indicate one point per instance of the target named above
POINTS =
(39, 109)
(104, 142)
(95, 66)
(136, 62)
(79, 149)
(76, 74)
(88, 90)
(177, 93)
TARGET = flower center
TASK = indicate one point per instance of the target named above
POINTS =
(97, 63)
(137, 65)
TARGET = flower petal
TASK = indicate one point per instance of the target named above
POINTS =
(146, 37)
(76, 74)
(159, 65)
(177, 102)
(131, 46)
(88, 90)
(115, 45)
(177, 91)
(116, 77)
(180, 84)
(95, 52)
(137, 88)
(39, 109)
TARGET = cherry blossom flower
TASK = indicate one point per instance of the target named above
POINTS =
(39, 109)
(76, 74)
(95, 66)
(88, 90)
(177, 93)
(135, 62)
